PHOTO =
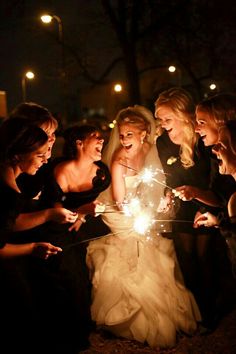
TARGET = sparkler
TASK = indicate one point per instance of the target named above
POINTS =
(143, 219)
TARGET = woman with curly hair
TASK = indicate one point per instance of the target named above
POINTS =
(187, 165)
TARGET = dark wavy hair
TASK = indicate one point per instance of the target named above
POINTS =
(221, 107)
(34, 113)
(74, 133)
(18, 137)
(230, 125)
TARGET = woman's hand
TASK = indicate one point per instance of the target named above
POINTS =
(185, 193)
(206, 219)
(63, 216)
(80, 220)
(44, 250)
(90, 208)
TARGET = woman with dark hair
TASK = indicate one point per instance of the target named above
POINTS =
(79, 176)
(23, 148)
(75, 181)
(38, 115)
(225, 151)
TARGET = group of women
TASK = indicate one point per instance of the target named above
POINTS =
(82, 241)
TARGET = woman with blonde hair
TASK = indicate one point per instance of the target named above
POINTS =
(187, 166)
(138, 290)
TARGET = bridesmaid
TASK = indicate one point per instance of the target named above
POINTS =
(23, 149)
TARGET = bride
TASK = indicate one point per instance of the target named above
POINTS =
(137, 287)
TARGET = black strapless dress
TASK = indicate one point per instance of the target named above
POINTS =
(62, 282)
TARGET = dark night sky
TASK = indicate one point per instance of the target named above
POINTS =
(28, 44)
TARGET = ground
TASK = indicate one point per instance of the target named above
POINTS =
(221, 341)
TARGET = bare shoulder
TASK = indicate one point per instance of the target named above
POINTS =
(119, 162)
(61, 169)
(119, 156)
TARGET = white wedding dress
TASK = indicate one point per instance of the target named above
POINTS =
(138, 291)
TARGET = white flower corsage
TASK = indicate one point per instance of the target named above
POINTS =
(171, 160)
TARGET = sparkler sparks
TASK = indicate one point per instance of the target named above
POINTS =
(145, 214)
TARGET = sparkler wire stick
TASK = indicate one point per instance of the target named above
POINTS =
(115, 233)
(163, 184)
(90, 239)
(172, 220)
(133, 169)
(138, 248)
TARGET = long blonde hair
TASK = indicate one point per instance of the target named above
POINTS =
(182, 105)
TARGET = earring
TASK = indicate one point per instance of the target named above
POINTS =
(142, 140)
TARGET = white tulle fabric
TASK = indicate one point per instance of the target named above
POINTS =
(138, 290)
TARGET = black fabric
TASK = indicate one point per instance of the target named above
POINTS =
(53, 193)
(198, 175)
(62, 283)
(10, 207)
(31, 185)
(204, 263)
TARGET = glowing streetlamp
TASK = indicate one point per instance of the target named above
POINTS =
(117, 88)
(47, 19)
(30, 76)
(172, 69)
(212, 86)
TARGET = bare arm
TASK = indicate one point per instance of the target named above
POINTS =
(187, 193)
(26, 221)
(37, 249)
(118, 182)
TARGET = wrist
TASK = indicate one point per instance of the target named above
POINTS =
(82, 218)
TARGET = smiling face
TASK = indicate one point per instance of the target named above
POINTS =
(223, 151)
(93, 145)
(206, 127)
(171, 123)
(131, 137)
(32, 161)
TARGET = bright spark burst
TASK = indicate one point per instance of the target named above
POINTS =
(142, 223)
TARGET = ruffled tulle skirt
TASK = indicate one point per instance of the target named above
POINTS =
(138, 291)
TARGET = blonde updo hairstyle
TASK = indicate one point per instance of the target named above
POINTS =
(138, 116)
(181, 103)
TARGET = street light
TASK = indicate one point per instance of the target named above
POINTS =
(28, 75)
(212, 86)
(172, 69)
(117, 88)
(46, 18)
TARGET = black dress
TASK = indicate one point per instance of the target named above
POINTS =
(61, 285)
(199, 265)
(52, 193)
(63, 281)
(16, 299)
(198, 176)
